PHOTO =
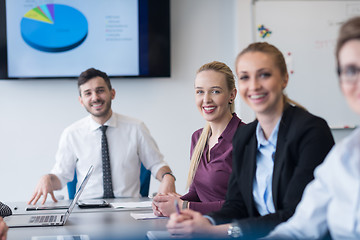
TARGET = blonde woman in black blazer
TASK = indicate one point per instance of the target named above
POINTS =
(301, 144)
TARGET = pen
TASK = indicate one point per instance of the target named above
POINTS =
(177, 206)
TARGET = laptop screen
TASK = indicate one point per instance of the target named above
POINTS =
(78, 192)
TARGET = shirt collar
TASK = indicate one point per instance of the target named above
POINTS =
(93, 125)
(261, 140)
(228, 133)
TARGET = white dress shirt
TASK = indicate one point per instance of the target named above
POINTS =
(130, 143)
(331, 202)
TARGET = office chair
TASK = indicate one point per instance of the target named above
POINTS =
(144, 183)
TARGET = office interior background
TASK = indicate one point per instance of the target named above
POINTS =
(35, 112)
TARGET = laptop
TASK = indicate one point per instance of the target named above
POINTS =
(52, 219)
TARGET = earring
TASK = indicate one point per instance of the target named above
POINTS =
(230, 102)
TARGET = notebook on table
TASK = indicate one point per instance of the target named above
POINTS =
(52, 219)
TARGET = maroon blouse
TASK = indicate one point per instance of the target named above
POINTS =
(208, 189)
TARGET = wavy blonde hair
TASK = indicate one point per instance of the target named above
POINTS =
(206, 132)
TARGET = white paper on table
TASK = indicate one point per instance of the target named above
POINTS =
(144, 216)
(144, 204)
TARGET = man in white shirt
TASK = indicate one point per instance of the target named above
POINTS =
(129, 144)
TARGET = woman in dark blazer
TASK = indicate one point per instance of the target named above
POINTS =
(273, 157)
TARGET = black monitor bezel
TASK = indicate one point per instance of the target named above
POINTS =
(157, 55)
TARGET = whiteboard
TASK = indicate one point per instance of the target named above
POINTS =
(306, 32)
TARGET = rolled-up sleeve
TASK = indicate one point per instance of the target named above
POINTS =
(148, 151)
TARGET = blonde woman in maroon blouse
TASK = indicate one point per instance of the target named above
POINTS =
(211, 146)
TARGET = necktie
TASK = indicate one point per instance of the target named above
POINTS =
(108, 190)
(4, 210)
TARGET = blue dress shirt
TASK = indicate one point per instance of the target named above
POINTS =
(262, 185)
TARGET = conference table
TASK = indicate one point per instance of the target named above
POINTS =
(96, 223)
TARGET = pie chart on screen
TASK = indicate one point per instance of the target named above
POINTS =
(54, 28)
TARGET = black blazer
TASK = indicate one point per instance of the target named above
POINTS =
(303, 142)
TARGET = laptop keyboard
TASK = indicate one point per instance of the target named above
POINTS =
(43, 219)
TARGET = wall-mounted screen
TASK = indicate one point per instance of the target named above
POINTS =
(62, 38)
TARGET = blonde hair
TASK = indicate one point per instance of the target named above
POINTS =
(206, 132)
(279, 60)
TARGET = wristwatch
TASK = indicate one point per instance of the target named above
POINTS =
(234, 230)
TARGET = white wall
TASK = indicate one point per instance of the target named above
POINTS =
(34, 112)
